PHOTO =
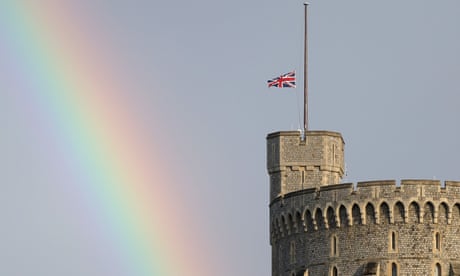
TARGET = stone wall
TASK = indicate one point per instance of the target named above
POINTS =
(414, 226)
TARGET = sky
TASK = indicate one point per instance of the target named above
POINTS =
(133, 138)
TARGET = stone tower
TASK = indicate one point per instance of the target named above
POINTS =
(295, 164)
(321, 227)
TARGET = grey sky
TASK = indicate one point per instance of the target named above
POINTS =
(383, 73)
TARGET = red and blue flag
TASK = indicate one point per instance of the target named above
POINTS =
(285, 80)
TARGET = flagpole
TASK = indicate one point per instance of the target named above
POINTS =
(305, 77)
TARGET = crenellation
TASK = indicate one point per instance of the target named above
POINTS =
(343, 207)
(320, 225)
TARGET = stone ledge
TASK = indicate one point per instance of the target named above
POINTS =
(309, 133)
(420, 182)
(452, 183)
(375, 183)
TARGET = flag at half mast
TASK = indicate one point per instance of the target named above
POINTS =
(285, 80)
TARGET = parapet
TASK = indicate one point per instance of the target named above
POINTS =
(377, 202)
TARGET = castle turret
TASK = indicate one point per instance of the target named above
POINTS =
(295, 164)
(319, 226)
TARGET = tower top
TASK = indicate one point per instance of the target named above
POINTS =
(295, 164)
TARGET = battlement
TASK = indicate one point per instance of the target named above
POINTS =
(321, 227)
(371, 202)
(409, 186)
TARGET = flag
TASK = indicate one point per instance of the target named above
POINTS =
(286, 80)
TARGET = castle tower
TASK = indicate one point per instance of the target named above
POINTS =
(295, 164)
(381, 228)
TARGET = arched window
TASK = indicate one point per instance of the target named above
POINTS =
(437, 270)
(292, 252)
(356, 215)
(319, 219)
(370, 214)
(334, 246)
(334, 271)
(384, 213)
(343, 216)
(283, 223)
(429, 213)
(309, 221)
(394, 269)
(456, 212)
(290, 224)
(443, 213)
(298, 222)
(393, 241)
(437, 241)
(331, 218)
(398, 212)
(414, 212)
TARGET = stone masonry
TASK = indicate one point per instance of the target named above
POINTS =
(320, 227)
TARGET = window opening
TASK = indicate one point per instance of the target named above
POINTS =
(334, 246)
(437, 270)
(292, 252)
(393, 241)
(394, 269)
(334, 271)
(437, 241)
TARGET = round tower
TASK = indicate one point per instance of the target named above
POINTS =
(321, 227)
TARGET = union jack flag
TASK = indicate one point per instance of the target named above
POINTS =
(285, 80)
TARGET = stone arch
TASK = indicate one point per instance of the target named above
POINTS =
(384, 213)
(334, 271)
(393, 241)
(456, 213)
(290, 223)
(398, 212)
(299, 224)
(334, 246)
(356, 215)
(428, 212)
(284, 229)
(443, 213)
(331, 219)
(343, 216)
(370, 214)
(319, 219)
(436, 242)
(394, 269)
(309, 221)
(414, 212)
(277, 227)
(437, 270)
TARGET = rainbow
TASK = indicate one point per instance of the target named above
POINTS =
(120, 175)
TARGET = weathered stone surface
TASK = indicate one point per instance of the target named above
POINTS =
(295, 164)
(370, 228)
